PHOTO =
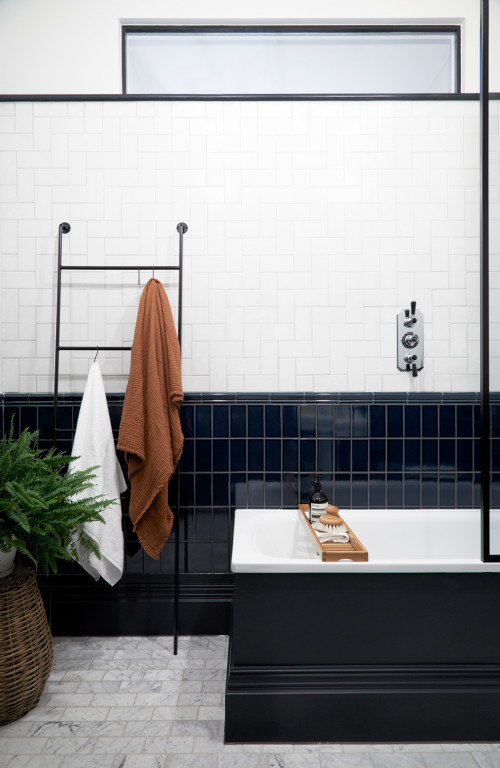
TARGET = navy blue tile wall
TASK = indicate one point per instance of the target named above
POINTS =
(253, 450)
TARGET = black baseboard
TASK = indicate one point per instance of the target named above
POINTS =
(79, 606)
(363, 704)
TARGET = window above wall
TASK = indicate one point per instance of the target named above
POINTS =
(293, 61)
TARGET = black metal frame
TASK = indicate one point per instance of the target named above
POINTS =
(291, 28)
(484, 97)
(64, 228)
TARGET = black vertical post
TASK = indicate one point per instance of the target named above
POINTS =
(484, 281)
(181, 229)
(64, 228)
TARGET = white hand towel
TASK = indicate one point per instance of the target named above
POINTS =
(337, 538)
(94, 445)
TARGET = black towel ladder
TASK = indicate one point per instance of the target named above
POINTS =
(64, 228)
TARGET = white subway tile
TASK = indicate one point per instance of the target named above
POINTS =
(309, 225)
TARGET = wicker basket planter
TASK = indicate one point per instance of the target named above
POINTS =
(25, 644)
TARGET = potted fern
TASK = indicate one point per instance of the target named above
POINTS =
(39, 506)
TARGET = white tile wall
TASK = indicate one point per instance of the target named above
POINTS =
(310, 226)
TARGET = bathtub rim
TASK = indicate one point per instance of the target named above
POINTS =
(244, 561)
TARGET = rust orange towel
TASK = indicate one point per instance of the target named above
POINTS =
(150, 430)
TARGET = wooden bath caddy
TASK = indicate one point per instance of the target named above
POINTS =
(331, 551)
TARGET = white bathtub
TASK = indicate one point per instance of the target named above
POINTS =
(397, 541)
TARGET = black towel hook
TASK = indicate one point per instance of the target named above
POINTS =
(97, 352)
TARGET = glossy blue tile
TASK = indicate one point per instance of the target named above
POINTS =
(495, 491)
(220, 449)
(477, 421)
(220, 484)
(412, 421)
(220, 524)
(203, 523)
(377, 455)
(360, 421)
(290, 455)
(325, 420)
(447, 490)
(342, 455)
(430, 421)
(187, 418)
(359, 491)
(465, 492)
(238, 450)
(476, 450)
(45, 422)
(394, 490)
(360, 455)
(325, 455)
(238, 421)
(273, 420)
(307, 455)
(464, 456)
(447, 460)
(273, 455)
(464, 421)
(256, 488)
(447, 421)
(377, 421)
(203, 421)
(255, 421)
(395, 420)
(203, 490)
(187, 489)
(187, 458)
(376, 490)
(342, 421)
(495, 420)
(495, 455)
(429, 490)
(412, 490)
(394, 455)
(220, 558)
(290, 489)
(203, 455)
(290, 421)
(28, 417)
(221, 421)
(255, 455)
(203, 558)
(306, 486)
(307, 420)
(342, 491)
(430, 455)
(412, 455)
(272, 490)
(239, 487)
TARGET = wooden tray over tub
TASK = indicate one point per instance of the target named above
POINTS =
(331, 551)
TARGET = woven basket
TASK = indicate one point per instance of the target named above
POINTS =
(25, 644)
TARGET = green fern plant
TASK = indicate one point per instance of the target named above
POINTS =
(39, 506)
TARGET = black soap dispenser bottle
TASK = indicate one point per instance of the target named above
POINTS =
(317, 502)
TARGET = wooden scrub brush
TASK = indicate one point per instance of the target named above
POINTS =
(331, 524)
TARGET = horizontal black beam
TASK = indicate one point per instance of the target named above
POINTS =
(120, 267)
(58, 97)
